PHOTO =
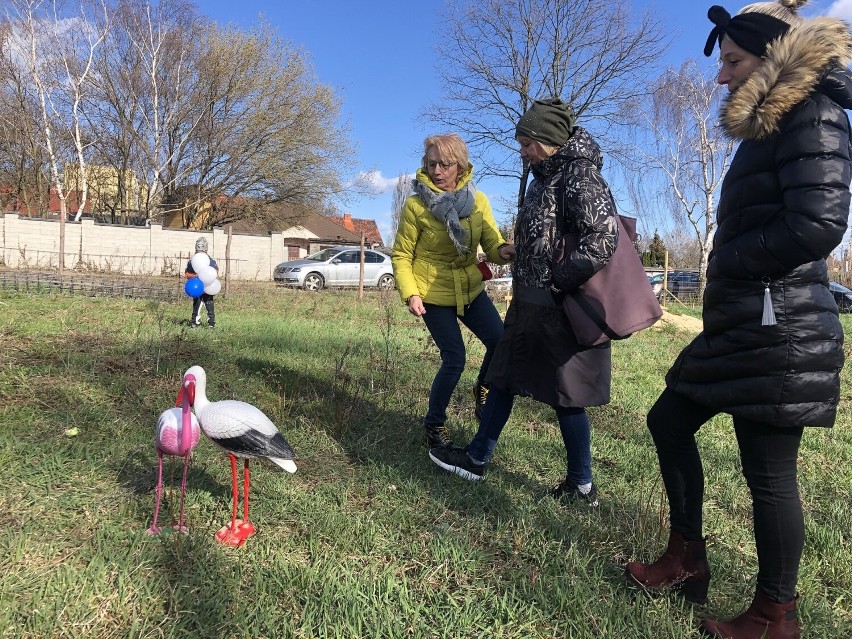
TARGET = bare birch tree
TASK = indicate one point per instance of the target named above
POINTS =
(401, 192)
(496, 57)
(76, 52)
(24, 172)
(148, 107)
(58, 54)
(211, 135)
(30, 17)
(167, 39)
(690, 151)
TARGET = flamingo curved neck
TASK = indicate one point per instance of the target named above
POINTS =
(186, 426)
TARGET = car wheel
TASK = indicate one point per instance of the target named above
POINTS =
(386, 282)
(313, 282)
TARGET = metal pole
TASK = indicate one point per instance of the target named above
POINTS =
(361, 270)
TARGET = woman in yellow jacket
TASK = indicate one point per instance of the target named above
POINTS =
(435, 259)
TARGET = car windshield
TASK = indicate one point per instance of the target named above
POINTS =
(324, 255)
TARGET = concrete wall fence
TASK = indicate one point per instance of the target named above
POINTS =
(138, 250)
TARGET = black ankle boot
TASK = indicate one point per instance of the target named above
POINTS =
(437, 436)
(480, 394)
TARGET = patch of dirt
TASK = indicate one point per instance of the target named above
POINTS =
(682, 322)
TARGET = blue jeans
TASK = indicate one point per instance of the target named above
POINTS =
(482, 319)
(573, 425)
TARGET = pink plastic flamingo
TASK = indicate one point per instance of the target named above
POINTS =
(177, 434)
(243, 431)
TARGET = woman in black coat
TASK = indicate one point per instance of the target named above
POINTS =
(538, 355)
(771, 351)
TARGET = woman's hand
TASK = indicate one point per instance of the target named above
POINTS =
(507, 251)
(415, 306)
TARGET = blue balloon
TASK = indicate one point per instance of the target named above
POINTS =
(194, 287)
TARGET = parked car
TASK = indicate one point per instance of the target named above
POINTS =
(499, 287)
(842, 295)
(656, 282)
(683, 283)
(337, 266)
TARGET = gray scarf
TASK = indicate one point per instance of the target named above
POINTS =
(450, 207)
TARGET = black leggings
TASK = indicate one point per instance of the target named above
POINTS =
(768, 456)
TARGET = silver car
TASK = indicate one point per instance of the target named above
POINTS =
(336, 266)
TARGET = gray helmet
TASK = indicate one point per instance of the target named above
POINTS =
(201, 244)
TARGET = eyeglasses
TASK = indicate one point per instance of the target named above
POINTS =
(446, 166)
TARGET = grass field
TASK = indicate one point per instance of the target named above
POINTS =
(368, 538)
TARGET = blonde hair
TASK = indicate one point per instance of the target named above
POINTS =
(450, 147)
(782, 9)
(548, 149)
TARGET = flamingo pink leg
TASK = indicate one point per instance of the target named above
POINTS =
(154, 529)
(181, 527)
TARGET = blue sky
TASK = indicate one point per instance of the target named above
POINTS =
(378, 56)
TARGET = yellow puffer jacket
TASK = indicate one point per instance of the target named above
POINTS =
(425, 261)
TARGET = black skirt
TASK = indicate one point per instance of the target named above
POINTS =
(539, 357)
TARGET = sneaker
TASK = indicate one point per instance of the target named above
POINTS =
(194, 325)
(459, 462)
(568, 491)
(210, 326)
(480, 394)
(437, 436)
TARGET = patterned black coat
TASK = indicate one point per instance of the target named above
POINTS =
(783, 208)
(573, 172)
(538, 355)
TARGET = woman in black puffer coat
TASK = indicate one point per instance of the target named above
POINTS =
(772, 347)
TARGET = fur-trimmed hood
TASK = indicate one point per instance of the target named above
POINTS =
(811, 54)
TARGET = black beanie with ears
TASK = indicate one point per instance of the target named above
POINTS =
(752, 31)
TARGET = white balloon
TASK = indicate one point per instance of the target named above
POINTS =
(199, 261)
(207, 274)
(213, 287)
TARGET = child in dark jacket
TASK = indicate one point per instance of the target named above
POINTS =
(189, 273)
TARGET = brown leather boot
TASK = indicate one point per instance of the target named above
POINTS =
(764, 619)
(683, 566)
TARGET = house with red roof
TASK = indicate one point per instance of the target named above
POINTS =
(372, 235)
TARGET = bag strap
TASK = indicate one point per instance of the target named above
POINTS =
(599, 321)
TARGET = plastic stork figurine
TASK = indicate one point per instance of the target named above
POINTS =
(244, 432)
(177, 434)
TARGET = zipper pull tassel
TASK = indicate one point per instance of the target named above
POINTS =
(768, 313)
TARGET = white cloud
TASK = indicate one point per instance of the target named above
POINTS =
(841, 9)
(374, 182)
